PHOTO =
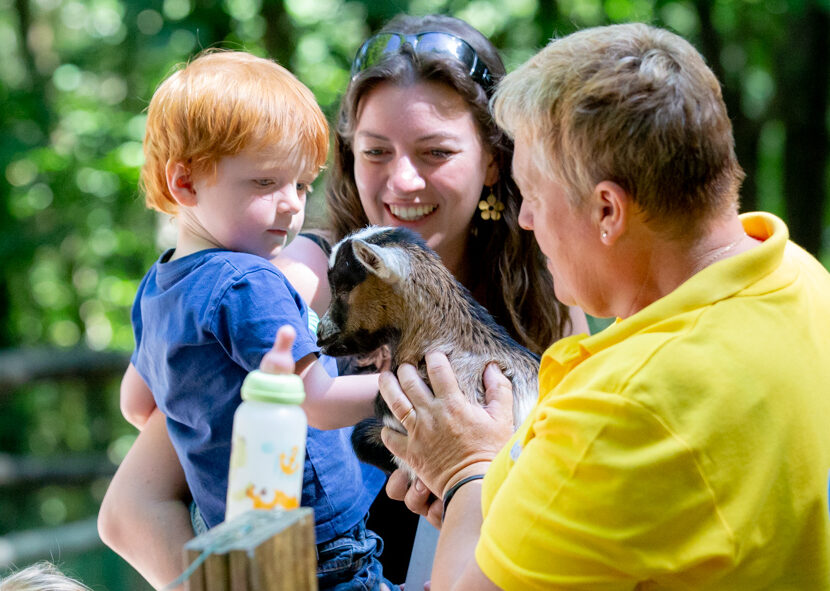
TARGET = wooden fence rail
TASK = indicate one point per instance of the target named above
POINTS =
(48, 543)
(70, 469)
(19, 367)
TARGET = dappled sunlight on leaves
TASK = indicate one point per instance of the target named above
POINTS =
(681, 17)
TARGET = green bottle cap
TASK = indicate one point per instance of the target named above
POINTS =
(269, 387)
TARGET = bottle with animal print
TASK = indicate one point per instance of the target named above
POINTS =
(268, 445)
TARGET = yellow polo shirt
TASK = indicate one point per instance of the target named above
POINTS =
(685, 447)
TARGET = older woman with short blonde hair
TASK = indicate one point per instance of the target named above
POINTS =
(684, 447)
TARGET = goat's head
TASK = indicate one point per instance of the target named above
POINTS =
(367, 270)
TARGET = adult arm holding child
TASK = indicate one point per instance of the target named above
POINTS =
(136, 399)
(147, 498)
(144, 516)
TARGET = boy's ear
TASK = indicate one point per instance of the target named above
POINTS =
(180, 183)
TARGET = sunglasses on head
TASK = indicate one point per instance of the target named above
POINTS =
(375, 49)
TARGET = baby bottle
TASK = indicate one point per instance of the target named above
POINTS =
(268, 445)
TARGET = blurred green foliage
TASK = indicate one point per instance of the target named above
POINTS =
(75, 237)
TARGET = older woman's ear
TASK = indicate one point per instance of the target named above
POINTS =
(612, 207)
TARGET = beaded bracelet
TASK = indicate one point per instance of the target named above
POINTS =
(454, 488)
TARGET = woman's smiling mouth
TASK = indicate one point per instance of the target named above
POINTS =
(411, 213)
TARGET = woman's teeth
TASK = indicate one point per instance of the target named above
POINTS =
(411, 213)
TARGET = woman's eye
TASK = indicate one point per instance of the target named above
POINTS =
(304, 188)
(373, 152)
(441, 154)
(264, 182)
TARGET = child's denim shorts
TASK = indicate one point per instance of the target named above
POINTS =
(350, 562)
(346, 563)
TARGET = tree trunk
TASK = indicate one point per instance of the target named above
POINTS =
(547, 17)
(804, 84)
(745, 130)
(280, 38)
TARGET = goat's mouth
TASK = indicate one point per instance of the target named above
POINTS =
(410, 213)
(337, 343)
(332, 346)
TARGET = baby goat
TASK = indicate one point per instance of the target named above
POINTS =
(389, 288)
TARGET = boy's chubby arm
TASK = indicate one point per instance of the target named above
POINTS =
(330, 403)
(144, 517)
(334, 403)
(137, 403)
(305, 265)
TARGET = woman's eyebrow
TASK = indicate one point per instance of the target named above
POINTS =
(371, 135)
(425, 138)
(437, 136)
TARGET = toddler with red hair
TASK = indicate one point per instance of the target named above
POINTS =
(232, 145)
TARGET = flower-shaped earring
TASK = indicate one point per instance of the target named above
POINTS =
(491, 208)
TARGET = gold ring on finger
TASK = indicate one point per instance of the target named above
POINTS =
(410, 412)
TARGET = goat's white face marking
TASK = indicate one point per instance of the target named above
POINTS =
(363, 234)
(364, 288)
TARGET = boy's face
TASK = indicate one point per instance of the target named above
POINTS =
(256, 204)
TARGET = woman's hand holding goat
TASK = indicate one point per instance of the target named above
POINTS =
(416, 496)
(448, 438)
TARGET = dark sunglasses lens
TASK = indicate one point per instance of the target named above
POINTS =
(447, 44)
(374, 49)
(441, 43)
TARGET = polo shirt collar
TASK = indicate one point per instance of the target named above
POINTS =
(716, 282)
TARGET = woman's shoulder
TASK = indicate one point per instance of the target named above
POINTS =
(305, 263)
(308, 248)
(319, 237)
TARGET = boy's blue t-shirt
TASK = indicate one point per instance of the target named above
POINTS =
(201, 323)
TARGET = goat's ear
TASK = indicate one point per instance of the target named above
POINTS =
(391, 264)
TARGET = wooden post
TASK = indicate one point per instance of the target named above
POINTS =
(256, 551)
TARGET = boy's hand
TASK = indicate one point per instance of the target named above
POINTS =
(279, 359)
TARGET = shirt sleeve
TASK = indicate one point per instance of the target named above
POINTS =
(250, 311)
(597, 493)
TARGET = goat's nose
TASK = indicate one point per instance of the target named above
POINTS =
(404, 177)
(326, 329)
